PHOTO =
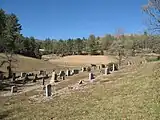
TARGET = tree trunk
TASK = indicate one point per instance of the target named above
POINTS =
(9, 72)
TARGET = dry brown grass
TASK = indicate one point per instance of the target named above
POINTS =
(132, 94)
(27, 64)
(84, 60)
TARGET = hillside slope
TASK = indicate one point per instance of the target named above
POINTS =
(132, 93)
(27, 64)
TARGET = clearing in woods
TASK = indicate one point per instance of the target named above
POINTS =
(28, 64)
(84, 59)
(131, 93)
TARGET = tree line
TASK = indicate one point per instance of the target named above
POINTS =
(12, 41)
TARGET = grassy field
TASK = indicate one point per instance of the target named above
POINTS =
(27, 64)
(84, 60)
(132, 93)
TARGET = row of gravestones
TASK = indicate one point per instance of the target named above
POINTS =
(54, 77)
(91, 78)
(25, 76)
(62, 75)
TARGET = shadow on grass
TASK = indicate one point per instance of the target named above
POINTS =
(6, 86)
(5, 114)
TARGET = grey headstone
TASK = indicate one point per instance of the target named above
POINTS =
(23, 74)
(88, 69)
(41, 72)
(83, 69)
(129, 63)
(35, 78)
(13, 89)
(48, 90)
(46, 76)
(25, 78)
(102, 66)
(80, 82)
(1, 76)
(61, 73)
(63, 77)
(13, 77)
(43, 81)
(76, 71)
(99, 67)
(30, 74)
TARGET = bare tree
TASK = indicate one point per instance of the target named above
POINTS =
(9, 60)
(153, 10)
(120, 45)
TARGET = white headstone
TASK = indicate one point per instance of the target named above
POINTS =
(23, 74)
(82, 69)
(91, 77)
(54, 77)
(48, 90)
(72, 72)
(68, 73)
(113, 68)
(13, 89)
(106, 72)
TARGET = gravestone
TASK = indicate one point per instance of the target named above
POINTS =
(44, 73)
(48, 90)
(76, 71)
(1, 76)
(30, 74)
(101, 71)
(63, 77)
(25, 78)
(23, 74)
(61, 74)
(68, 73)
(13, 89)
(106, 71)
(80, 82)
(72, 72)
(94, 66)
(83, 69)
(35, 78)
(129, 63)
(113, 68)
(91, 76)
(43, 81)
(99, 67)
(88, 69)
(41, 72)
(54, 77)
(13, 77)
(46, 76)
(102, 66)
